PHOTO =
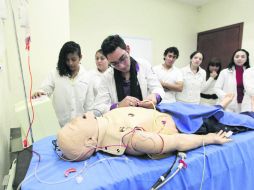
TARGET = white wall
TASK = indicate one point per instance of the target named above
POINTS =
(164, 22)
(219, 13)
(5, 111)
(49, 23)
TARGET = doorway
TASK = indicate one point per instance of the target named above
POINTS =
(220, 42)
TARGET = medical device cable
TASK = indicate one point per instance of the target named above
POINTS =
(39, 160)
(167, 179)
(42, 181)
(179, 167)
(30, 90)
(204, 165)
(122, 140)
(121, 144)
(31, 175)
(81, 172)
(21, 68)
(163, 176)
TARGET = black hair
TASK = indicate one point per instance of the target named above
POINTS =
(194, 53)
(213, 62)
(99, 51)
(111, 43)
(232, 63)
(68, 47)
(135, 90)
(173, 50)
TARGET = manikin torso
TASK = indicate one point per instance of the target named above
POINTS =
(111, 133)
(117, 126)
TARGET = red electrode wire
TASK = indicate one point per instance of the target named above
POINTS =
(28, 40)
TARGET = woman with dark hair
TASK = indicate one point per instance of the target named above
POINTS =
(194, 80)
(208, 97)
(69, 84)
(231, 79)
(101, 66)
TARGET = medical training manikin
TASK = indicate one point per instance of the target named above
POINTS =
(131, 130)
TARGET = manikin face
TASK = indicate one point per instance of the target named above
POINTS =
(170, 59)
(73, 61)
(197, 60)
(78, 138)
(101, 62)
(240, 58)
(120, 59)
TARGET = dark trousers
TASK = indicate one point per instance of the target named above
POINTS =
(211, 125)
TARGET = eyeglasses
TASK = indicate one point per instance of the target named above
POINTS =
(121, 60)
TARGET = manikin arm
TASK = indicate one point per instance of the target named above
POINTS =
(152, 143)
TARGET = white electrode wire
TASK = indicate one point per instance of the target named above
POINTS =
(167, 179)
(60, 181)
(31, 175)
(77, 157)
(154, 113)
(21, 69)
(204, 165)
(83, 169)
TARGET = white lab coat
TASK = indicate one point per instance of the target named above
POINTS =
(96, 79)
(209, 91)
(193, 85)
(71, 97)
(248, 82)
(171, 76)
(107, 94)
(226, 83)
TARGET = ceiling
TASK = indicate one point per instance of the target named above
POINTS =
(194, 2)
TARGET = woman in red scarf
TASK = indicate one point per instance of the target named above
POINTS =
(231, 79)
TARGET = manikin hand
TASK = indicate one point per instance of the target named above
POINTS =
(128, 101)
(216, 138)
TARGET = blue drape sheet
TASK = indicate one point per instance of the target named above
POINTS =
(189, 117)
(228, 167)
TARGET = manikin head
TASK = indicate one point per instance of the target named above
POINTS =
(78, 139)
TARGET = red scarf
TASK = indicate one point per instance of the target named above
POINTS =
(239, 83)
